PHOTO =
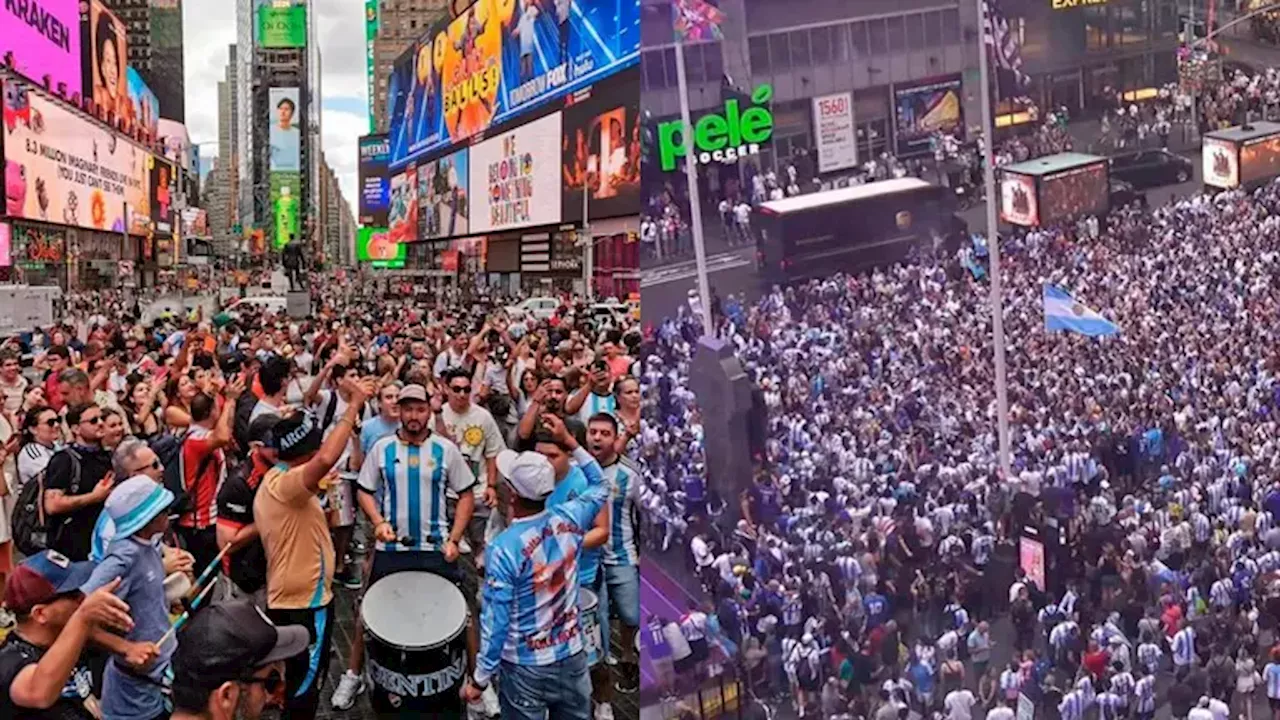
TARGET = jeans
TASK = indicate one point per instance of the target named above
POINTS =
(561, 691)
(624, 592)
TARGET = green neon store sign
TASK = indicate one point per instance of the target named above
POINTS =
(720, 137)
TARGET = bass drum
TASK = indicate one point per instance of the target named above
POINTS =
(414, 627)
(589, 621)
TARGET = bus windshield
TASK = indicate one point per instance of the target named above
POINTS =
(852, 228)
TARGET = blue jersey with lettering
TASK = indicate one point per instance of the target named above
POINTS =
(530, 610)
(573, 486)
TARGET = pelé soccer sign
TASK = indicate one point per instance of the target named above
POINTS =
(723, 137)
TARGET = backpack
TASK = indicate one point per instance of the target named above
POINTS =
(168, 448)
(30, 528)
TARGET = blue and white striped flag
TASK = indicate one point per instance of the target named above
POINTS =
(1063, 312)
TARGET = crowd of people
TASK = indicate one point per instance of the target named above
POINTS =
(882, 564)
(186, 498)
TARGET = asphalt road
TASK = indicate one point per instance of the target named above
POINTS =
(733, 272)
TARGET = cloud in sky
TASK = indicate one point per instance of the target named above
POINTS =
(210, 28)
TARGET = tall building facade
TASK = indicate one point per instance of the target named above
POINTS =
(155, 49)
(400, 23)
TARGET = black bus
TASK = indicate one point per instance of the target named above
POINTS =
(853, 228)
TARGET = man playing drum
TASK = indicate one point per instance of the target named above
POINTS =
(531, 630)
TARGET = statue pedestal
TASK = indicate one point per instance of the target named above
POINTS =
(279, 282)
(299, 304)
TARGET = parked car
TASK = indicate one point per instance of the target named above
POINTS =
(1122, 194)
(538, 308)
(1151, 168)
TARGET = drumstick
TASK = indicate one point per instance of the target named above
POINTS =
(184, 617)
(208, 572)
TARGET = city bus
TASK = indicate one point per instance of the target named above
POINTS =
(853, 228)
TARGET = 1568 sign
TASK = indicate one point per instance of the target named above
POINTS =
(1069, 4)
(720, 137)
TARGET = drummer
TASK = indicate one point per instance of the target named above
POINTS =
(538, 657)
(418, 467)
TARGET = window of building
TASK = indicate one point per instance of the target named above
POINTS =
(915, 31)
(713, 57)
(694, 68)
(800, 49)
(950, 21)
(820, 44)
(894, 34)
(932, 29)
(669, 66)
(758, 50)
(780, 51)
(877, 43)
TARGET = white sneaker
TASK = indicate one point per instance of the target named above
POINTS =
(604, 711)
(350, 686)
(490, 700)
(464, 547)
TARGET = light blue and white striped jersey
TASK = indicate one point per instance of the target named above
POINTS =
(1184, 647)
(410, 483)
(1222, 593)
(530, 610)
(1110, 706)
(1145, 691)
(1122, 685)
(1271, 675)
(1149, 655)
(1072, 706)
(624, 480)
(596, 404)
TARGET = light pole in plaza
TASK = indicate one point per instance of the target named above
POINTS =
(695, 204)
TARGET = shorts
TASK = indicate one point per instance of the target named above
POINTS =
(624, 592)
(306, 672)
(1275, 704)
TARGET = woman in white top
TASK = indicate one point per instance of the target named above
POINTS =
(1247, 679)
(40, 432)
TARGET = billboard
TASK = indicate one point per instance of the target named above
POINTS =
(1259, 159)
(600, 150)
(144, 107)
(105, 44)
(374, 245)
(1018, 200)
(375, 185)
(1221, 165)
(282, 24)
(285, 135)
(177, 144)
(444, 207)
(515, 177)
(1031, 560)
(500, 58)
(1076, 192)
(833, 132)
(44, 38)
(922, 110)
(286, 198)
(64, 169)
(161, 191)
(402, 213)
(370, 62)
(6, 245)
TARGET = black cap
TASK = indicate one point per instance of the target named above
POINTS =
(228, 641)
(296, 436)
(262, 429)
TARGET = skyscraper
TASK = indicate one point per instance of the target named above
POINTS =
(155, 49)
(399, 24)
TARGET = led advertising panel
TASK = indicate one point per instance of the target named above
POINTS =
(1074, 193)
(600, 149)
(374, 245)
(144, 107)
(500, 58)
(402, 215)
(282, 24)
(1221, 167)
(1259, 159)
(515, 177)
(373, 176)
(44, 37)
(922, 110)
(177, 144)
(63, 169)
(161, 189)
(1018, 200)
(443, 202)
(285, 135)
(105, 46)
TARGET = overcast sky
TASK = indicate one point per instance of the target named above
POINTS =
(210, 27)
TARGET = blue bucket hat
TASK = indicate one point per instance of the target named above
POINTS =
(136, 502)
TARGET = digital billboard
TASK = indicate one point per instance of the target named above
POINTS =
(63, 169)
(922, 110)
(1074, 193)
(144, 107)
(374, 245)
(282, 24)
(1221, 168)
(444, 207)
(500, 58)
(44, 38)
(105, 46)
(177, 144)
(372, 175)
(285, 135)
(402, 214)
(600, 149)
(370, 61)
(515, 177)
(286, 197)
(1018, 200)
(161, 191)
(1259, 159)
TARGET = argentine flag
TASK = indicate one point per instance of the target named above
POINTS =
(1062, 312)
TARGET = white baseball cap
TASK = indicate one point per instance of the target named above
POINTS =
(530, 473)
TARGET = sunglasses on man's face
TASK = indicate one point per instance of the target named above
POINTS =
(153, 465)
(91, 421)
(51, 422)
(271, 683)
(460, 389)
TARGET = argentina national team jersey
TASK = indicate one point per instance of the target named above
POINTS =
(624, 480)
(530, 614)
(410, 483)
(573, 486)
(596, 404)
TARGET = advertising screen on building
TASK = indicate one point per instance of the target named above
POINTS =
(500, 58)
(601, 149)
(177, 144)
(44, 38)
(105, 47)
(374, 245)
(370, 61)
(285, 134)
(1031, 560)
(833, 132)
(282, 24)
(63, 169)
(1018, 200)
(444, 207)
(1221, 167)
(144, 107)
(161, 189)
(402, 215)
(1073, 193)
(1259, 159)
(372, 175)
(515, 177)
(286, 198)
(922, 110)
